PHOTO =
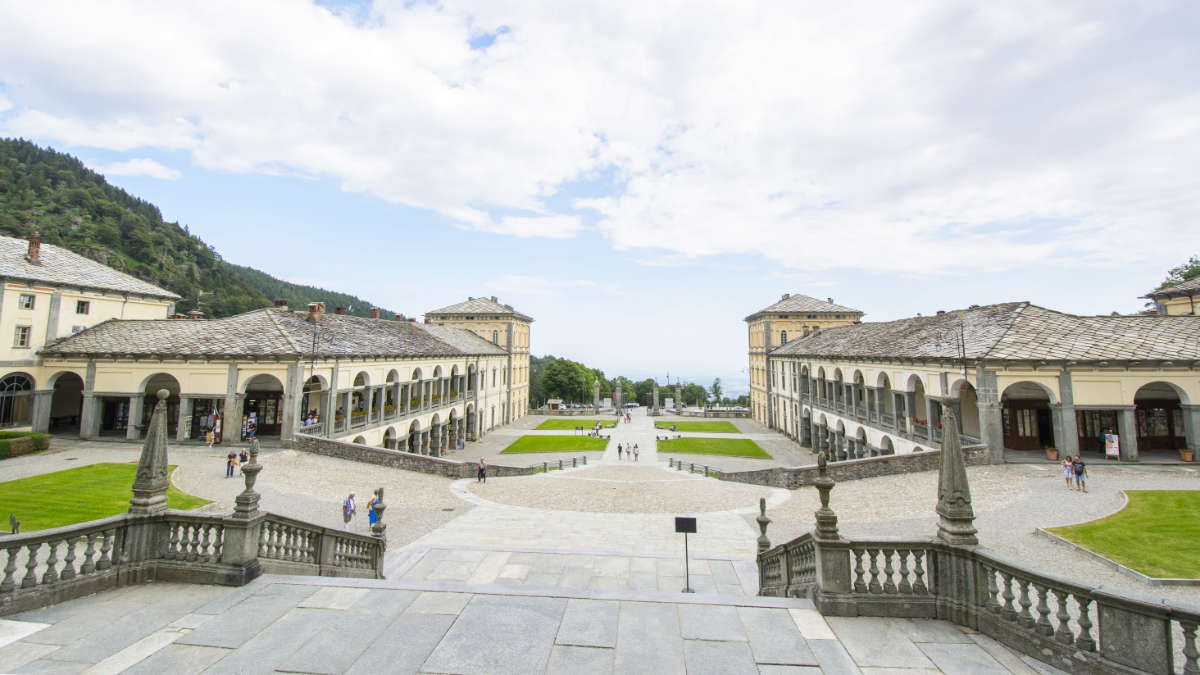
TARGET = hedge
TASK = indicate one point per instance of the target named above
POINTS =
(17, 443)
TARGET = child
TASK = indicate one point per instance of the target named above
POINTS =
(1068, 470)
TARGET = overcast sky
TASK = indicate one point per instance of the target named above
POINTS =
(640, 176)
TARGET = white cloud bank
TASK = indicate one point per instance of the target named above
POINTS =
(141, 166)
(867, 135)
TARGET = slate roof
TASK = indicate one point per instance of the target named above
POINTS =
(477, 306)
(272, 332)
(65, 268)
(800, 303)
(1189, 287)
(1013, 331)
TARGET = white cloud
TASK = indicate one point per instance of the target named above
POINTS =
(141, 166)
(937, 136)
(520, 285)
(5, 104)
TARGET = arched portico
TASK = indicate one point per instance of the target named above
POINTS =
(143, 407)
(389, 438)
(1159, 417)
(1026, 418)
(66, 402)
(262, 407)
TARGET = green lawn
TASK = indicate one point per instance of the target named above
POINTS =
(1157, 533)
(731, 447)
(570, 424)
(78, 495)
(555, 444)
(709, 427)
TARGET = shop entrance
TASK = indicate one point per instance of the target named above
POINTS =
(263, 409)
(1093, 424)
(1159, 418)
(1025, 415)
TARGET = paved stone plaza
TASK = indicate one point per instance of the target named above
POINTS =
(572, 571)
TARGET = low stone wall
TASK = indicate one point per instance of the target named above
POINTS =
(568, 412)
(796, 476)
(437, 466)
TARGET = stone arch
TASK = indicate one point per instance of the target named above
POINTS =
(362, 379)
(263, 404)
(1026, 417)
(66, 403)
(886, 394)
(392, 376)
(359, 440)
(16, 400)
(886, 446)
(389, 438)
(863, 448)
(415, 443)
(313, 398)
(1158, 416)
(150, 386)
(968, 407)
(437, 372)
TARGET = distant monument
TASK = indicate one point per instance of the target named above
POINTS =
(654, 410)
(678, 396)
(619, 397)
(595, 395)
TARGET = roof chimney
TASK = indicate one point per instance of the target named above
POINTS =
(322, 307)
(281, 303)
(399, 317)
(339, 310)
(494, 299)
(941, 312)
(315, 310)
(195, 314)
(786, 296)
(411, 320)
(830, 300)
(374, 312)
(428, 320)
(34, 256)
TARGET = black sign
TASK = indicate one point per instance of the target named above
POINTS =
(684, 524)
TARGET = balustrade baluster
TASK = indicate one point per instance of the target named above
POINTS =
(106, 550)
(1026, 617)
(904, 586)
(1063, 634)
(1007, 611)
(860, 585)
(1085, 641)
(1044, 626)
(264, 534)
(51, 574)
(205, 541)
(10, 568)
(219, 542)
(1191, 656)
(919, 572)
(889, 586)
(993, 591)
(173, 546)
(30, 579)
(68, 570)
(89, 552)
(872, 555)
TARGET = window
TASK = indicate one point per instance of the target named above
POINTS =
(21, 337)
(812, 316)
(82, 306)
(15, 400)
(495, 337)
(25, 301)
(783, 337)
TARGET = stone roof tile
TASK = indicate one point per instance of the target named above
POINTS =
(480, 306)
(62, 267)
(1189, 287)
(798, 302)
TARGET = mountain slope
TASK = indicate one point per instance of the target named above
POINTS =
(54, 194)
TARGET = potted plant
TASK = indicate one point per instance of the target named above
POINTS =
(1052, 453)
(1185, 454)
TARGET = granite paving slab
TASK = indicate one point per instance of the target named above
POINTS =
(648, 639)
(333, 598)
(17, 654)
(48, 667)
(589, 623)
(833, 657)
(11, 631)
(179, 659)
(962, 658)
(264, 651)
(710, 622)
(499, 634)
(774, 638)
(773, 669)
(878, 642)
(439, 603)
(403, 645)
(572, 660)
(250, 616)
(704, 657)
(339, 643)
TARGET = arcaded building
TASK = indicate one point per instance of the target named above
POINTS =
(1023, 378)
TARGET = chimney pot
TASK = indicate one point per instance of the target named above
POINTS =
(786, 296)
(374, 312)
(34, 256)
(315, 309)
(339, 310)
(195, 314)
(830, 300)
(494, 299)
(941, 312)
(399, 317)
(281, 303)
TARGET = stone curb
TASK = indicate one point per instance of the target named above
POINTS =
(1129, 572)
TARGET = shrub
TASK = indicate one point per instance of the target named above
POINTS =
(17, 443)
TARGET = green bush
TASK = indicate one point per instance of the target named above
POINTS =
(17, 443)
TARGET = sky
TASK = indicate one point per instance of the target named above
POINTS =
(639, 177)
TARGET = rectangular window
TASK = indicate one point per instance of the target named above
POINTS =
(21, 337)
(83, 306)
(25, 301)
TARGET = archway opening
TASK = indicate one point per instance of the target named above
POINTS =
(262, 413)
(1025, 416)
(150, 399)
(66, 405)
(1158, 416)
(16, 400)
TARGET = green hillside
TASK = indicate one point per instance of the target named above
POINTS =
(72, 206)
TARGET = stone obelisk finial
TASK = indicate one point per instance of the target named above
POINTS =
(245, 505)
(764, 544)
(826, 518)
(379, 530)
(150, 486)
(956, 518)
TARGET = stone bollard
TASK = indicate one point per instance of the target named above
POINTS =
(585, 460)
(560, 465)
(706, 471)
(573, 459)
(764, 544)
(545, 467)
(692, 467)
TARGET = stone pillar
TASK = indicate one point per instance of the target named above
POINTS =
(133, 429)
(293, 395)
(840, 445)
(231, 412)
(347, 402)
(1191, 427)
(425, 438)
(910, 410)
(331, 401)
(435, 439)
(183, 428)
(595, 395)
(89, 415)
(956, 516)
(40, 414)
(239, 552)
(991, 429)
(1128, 434)
(1069, 441)
(930, 416)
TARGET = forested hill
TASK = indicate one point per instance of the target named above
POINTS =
(72, 206)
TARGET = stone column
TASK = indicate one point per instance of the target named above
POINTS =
(331, 401)
(1128, 434)
(89, 415)
(910, 410)
(1068, 437)
(840, 445)
(231, 412)
(1191, 427)
(435, 439)
(820, 439)
(183, 428)
(991, 429)
(293, 394)
(132, 430)
(930, 416)
(425, 441)
(40, 414)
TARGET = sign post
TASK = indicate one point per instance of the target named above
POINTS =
(685, 525)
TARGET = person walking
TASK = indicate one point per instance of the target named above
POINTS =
(371, 517)
(1068, 469)
(348, 511)
(208, 437)
(1080, 473)
(636, 452)
(481, 473)
(618, 452)
(243, 458)
(230, 462)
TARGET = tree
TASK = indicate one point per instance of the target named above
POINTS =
(715, 389)
(695, 394)
(1177, 275)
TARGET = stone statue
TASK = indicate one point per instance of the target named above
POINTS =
(678, 396)
(956, 517)
(595, 394)
(150, 485)
(379, 530)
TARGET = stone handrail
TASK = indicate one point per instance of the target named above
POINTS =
(287, 546)
(60, 563)
(1074, 626)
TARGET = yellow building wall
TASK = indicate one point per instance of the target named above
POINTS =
(788, 325)
(1179, 305)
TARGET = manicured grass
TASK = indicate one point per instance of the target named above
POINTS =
(555, 444)
(709, 427)
(570, 424)
(78, 495)
(1157, 533)
(731, 447)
